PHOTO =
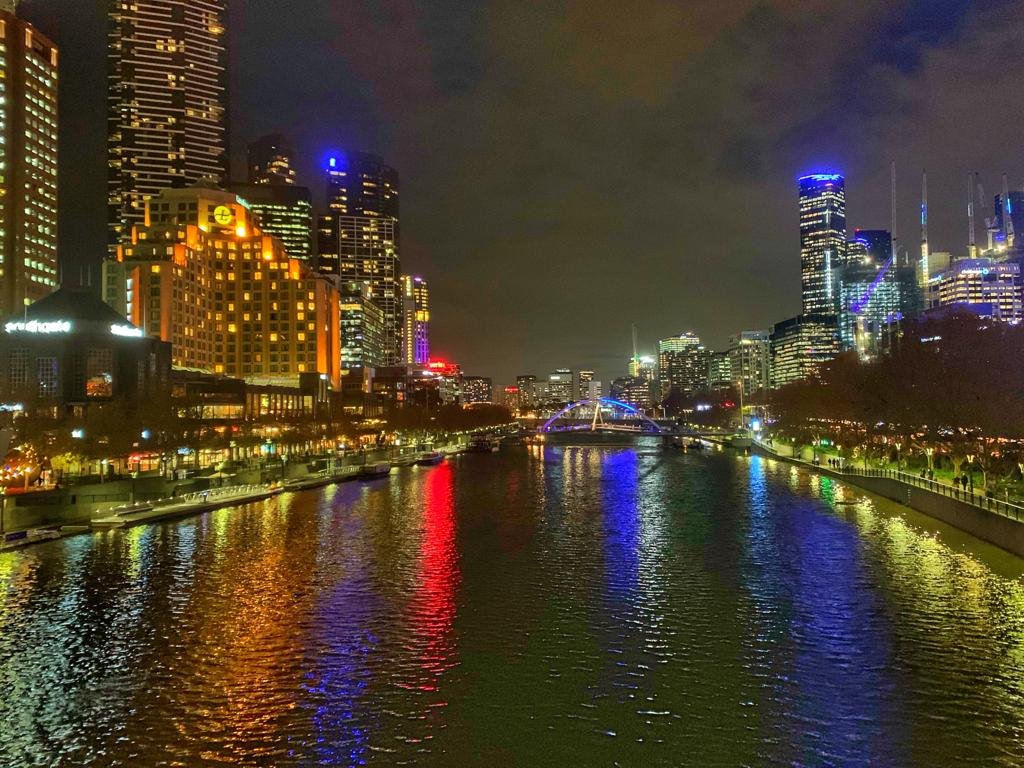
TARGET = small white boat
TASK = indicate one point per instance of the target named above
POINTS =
(372, 471)
(430, 458)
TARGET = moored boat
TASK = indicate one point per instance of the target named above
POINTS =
(430, 458)
(371, 471)
(484, 444)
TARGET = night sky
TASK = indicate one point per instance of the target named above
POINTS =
(571, 168)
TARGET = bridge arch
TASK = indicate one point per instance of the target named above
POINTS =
(599, 403)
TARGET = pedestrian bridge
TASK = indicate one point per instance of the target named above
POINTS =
(605, 415)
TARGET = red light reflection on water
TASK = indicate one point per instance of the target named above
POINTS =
(433, 607)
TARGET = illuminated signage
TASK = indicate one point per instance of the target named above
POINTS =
(35, 326)
(223, 215)
(126, 330)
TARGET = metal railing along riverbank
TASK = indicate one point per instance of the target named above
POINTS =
(966, 496)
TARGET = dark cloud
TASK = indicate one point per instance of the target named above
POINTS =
(570, 168)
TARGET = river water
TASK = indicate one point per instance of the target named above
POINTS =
(555, 606)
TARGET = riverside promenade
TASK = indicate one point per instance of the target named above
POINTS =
(126, 510)
(993, 520)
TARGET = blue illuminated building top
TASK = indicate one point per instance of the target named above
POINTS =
(822, 177)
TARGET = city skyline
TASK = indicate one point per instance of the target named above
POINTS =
(697, 243)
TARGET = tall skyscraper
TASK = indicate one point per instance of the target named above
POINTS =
(869, 293)
(283, 209)
(416, 319)
(361, 184)
(358, 237)
(683, 364)
(167, 102)
(270, 160)
(822, 240)
(362, 327)
(28, 164)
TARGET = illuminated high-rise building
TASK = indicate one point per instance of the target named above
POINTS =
(167, 101)
(270, 160)
(992, 288)
(416, 319)
(562, 386)
(362, 327)
(800, 345)
(869, 293)
(361, 184)
(284, 211)
(477, 389)
(822, 241)
(203, 276)
(750, 362)
(358, 237)
(683, 364)
(28, 164)
(584, 380)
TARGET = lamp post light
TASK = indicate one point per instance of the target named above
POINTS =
(898, 446)
(970, 474)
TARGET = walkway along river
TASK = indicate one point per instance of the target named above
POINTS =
(543, 606)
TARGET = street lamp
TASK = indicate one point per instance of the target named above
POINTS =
(970, 475)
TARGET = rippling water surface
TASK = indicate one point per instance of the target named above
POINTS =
(541, 607)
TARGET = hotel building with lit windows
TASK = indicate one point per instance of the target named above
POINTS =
(167, 102)
(28, 163)
(200, 274)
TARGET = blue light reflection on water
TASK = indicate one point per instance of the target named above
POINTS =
(815, 600)
(344, 641)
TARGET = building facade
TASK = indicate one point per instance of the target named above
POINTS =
(284, 211)
(635, 391)
(28, 164)
(416, 320)
(800, 345)
(562, 386)
(869, 294)
(358, 238)
(270, 160)
(719, 371)
(362, 327)
(167, 100)
(750, 362)
(69, 350)
(683, 364)
(822, 241)
(201, 275)
(477, 389)
(527, 386)
(984, 283)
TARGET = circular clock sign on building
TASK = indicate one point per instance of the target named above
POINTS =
(223, 215)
